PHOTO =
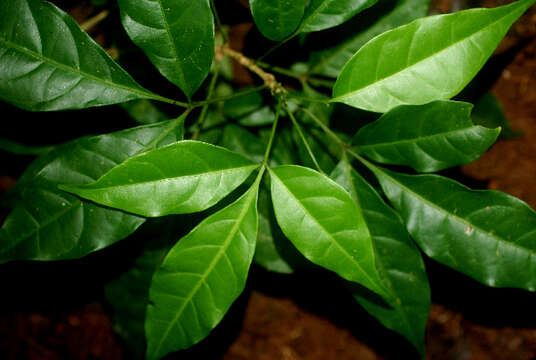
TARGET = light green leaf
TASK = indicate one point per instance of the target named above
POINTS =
(398, 261)
(180, 178)
(487, 235)
(41, 44)
(429, 59)
(49, 224)
(176, 35)
(325, 224)
(324, 14)
(277, 19)
(386, 15)
(201, 277)
(428, 137)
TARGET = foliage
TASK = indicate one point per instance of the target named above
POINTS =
(272, 177)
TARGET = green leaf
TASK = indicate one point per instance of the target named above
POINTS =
(277, 19)
(176, 35)
(201, 277)
(325, 160)
(144, 111)
(325, 224)
(180, 178)
(263, 116)
(324, 14)
(240, 140)
(21, 149)
(386, 15)
(242, 105)
(429, 59)
(488, 112)
(487, 235)
(41, 44)
(49, 224)
(398, 261)
(428, 138)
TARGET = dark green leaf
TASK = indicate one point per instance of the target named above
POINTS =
(201, 277)
(144, 111)
(180, 178)
(398, 261)
(20, 149)
(487, 235)
(488, 112)
(429, 59)
(263, 116)
(238, 139)
(325, 224)
(242, 105)
(277, 19)
(49, 63)
(48, 224)
(387, 15)
(324, 14)
(427, 137)
(325, 160)
(176, 35)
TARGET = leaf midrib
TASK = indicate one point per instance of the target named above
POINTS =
(382, 80)
(209, 269)
(413, 140)
(457, 218)
(122, 186)
(343, 250)
(311, 17)
(80, 73)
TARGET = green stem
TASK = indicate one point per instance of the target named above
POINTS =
(228, 97)
(304, 140)
(272, 134)
(218, 21)
(204, 110)
(167, 100)
(308, 99)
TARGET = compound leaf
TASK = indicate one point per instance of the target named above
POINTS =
(325, 224)
(41, 44)
(277, 19)
(180, 178)
(428, 137)
(49, 224)
(398, 261)
(324, 14)
(386, 15)
(201, 277)
(429, 59)
(176, 35)
(487, 235)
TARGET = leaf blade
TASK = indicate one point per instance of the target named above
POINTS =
(324, 14)
(397, 258)
(475, 232)
(277, 19)
(49, 224)
(417, 136)
(337, 239)
(51, 47)
(184, 177)
(442, 54)
(176, 35)
(238, 223)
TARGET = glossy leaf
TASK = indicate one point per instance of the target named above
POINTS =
(325, 224)
(41, 44)
(386, 15)
(201, 277)
(429, 59)
(324, 14)
(49, 224)
(180, 178)
(176, 35)
(428, 138)
(398, 261)
(277, 19)
(487, 235)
